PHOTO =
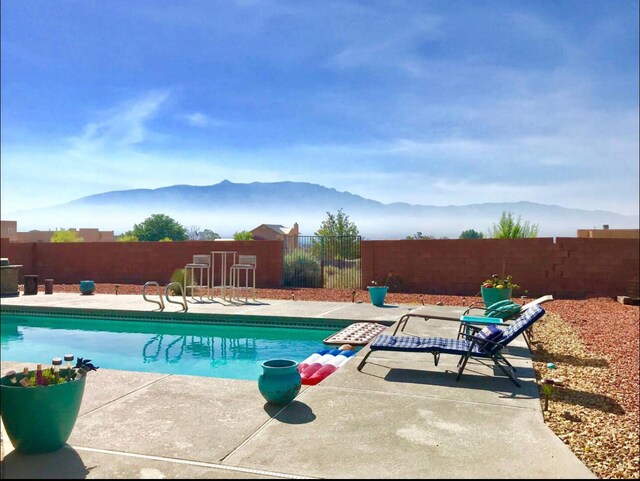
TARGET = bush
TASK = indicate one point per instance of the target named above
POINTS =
(301, 268)
(178, 276)
(342, 278)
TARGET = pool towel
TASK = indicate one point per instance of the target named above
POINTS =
(357, 334)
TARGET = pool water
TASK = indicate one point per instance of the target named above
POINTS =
(212, 350)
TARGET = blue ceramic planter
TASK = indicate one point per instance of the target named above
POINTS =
(280, 381)
(377, 294)
(87, 287)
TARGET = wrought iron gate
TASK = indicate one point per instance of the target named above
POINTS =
(321, 261)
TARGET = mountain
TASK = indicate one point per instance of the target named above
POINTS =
(228, 207)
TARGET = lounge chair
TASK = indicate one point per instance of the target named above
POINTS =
(498, 313)
(487, 342)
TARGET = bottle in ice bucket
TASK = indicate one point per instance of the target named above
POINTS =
(11, 375)
(56, 362)
(68, 358)
(39, 381)
(25, 377)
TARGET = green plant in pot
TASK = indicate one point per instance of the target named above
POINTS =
(377, 292)
(497, 289)
(39, 407)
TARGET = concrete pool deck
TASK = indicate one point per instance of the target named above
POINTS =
(401, 417)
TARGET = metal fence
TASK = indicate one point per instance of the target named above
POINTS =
(321, 261)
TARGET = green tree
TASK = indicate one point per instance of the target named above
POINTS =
(66, 235)
(419, 235)
(339, 236)
(208, 234)
(471, 234)
(159, 226)
(510, 228)
(242, 235)
(127, 237)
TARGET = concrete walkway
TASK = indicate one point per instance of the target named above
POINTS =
(401, 417)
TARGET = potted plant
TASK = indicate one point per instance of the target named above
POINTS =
(378, 292)
(497, 289)
(39, 407)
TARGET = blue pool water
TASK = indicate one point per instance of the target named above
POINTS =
(224, 351)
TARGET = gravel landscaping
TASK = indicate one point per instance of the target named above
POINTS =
(594, 346)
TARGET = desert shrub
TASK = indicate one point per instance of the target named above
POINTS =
(301, 269)
(178, 276)
(342, 277)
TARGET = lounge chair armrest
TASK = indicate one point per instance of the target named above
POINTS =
(474, 340)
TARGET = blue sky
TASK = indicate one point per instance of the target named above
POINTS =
(426, 102)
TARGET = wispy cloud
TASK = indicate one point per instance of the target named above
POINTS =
(122, 126)
(198, 119)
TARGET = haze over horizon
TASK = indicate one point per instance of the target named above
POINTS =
(430, 102)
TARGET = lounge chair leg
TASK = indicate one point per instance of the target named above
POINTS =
(364, 360)
(510, 375)
(466, 358)
(436, 357)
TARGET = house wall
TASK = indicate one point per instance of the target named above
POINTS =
(564, 267)
(609, 233)
(9, 229)
(264, 233)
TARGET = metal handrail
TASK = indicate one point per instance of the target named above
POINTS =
(184, 298)
(144, 294)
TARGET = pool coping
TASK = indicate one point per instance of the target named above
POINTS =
(187, 317)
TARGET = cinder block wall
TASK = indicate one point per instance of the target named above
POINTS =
(133, 262)
(568, 267)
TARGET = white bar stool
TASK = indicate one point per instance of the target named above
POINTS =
(246, 263)
(202, 264)
(225, 282)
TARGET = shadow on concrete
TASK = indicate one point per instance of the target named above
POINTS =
(64, 463)
(295, 412)
(469, 380)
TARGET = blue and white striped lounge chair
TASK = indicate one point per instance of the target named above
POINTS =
(487, 342)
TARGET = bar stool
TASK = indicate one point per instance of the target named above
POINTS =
(202, 264)
(246, 263)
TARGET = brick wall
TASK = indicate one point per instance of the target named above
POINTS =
(133, 262)
(568, 267)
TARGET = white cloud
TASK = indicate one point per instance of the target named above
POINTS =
(198, 119)
(122, 126)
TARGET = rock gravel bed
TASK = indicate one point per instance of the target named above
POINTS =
(594, 345)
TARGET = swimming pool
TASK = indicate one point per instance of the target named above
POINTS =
(201, 349)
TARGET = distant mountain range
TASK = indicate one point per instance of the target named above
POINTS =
(228, 207)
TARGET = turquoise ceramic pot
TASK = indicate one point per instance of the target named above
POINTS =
(40, 419)
(87, 287)
(377, 294)
(280, 381)
(491, 295)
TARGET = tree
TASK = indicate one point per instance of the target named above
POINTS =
(66, 235)
(158, 227)
(340, 236)
(208, 234)
(127, 237)
(471, 234)
(509, 228)
(242, 235)
(418, 235)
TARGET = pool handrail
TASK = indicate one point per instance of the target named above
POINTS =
(184, 298)
(144, 294)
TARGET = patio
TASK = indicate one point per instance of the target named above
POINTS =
(401, 417)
